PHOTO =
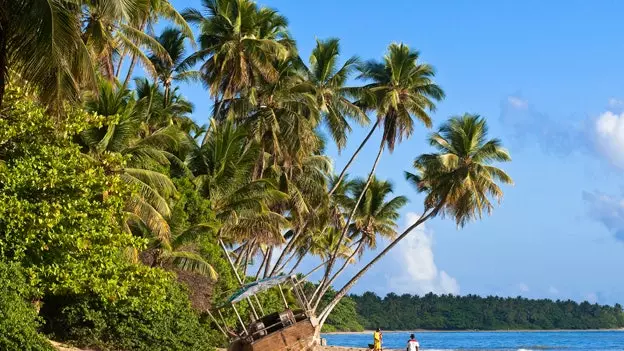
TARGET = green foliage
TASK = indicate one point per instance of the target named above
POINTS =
(60, 212)
(344, 317)
(448, 312)
(18, 318)
(164, 322)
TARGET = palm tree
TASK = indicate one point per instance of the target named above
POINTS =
(376, 215)
(239, 44)
(174, 68)
(40, 42)
(401, 89)
(149, 207)
(182, 253)
(106, 34)
(328, 81)
(458, 181)
(150, 14)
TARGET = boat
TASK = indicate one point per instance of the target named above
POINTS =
(291, 329)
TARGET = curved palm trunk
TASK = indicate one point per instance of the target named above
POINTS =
(344, 266)
(357, 151)
(286, 250)
(345, 228)
(299, 260)
(132, 61)
(345, 289)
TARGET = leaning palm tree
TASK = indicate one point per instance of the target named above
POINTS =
(174, 68)
(458, 181)
(40, 42)
(375, 216)
(401, 89)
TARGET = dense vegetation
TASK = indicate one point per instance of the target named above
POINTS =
(448, 312)
(129, 220)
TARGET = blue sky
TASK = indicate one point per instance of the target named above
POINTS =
(548, 76)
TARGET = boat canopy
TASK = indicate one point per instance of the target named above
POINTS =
(253, 288)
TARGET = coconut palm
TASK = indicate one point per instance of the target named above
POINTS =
(146, 156)
(376, 215)
(40, 42)
(174, 68)
(328, 80)
(151, 12)
(458, 181)
(239, 43)
(107, 35)
(401, 89)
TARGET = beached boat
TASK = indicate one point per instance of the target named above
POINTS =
(289, 330)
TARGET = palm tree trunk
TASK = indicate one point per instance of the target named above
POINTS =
(299, 260)
(264, 261)
(129, 74)
(345, 228)
(286, 249)
(345, 289)
(120, 63)
(344, 266)
(240, 281)
(314, 270)
(357, 151)
(132, 61)
(268, 264)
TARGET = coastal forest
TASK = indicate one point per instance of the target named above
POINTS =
(470, 312)
(125, 217)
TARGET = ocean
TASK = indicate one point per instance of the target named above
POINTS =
(495, 341)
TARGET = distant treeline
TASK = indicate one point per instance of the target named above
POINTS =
(471, 312)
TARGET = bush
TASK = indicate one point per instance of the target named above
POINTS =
(165, 323)
(18, 318)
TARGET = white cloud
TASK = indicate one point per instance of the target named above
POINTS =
(419, 273)
(523, 288)
(517, 102)
(553, 290)
(609, 133)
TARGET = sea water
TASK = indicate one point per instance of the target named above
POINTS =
(499, 341)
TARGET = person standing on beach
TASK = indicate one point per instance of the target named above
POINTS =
(377, 340)
(412, 344)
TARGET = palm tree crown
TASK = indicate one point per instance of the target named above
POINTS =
(401, 88)
(459, 179)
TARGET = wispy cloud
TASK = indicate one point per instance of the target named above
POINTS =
(609, 132)
(527, 125)
(553, 290)
(419, 273)
(608, 210)
(517, 102)
(523, 288)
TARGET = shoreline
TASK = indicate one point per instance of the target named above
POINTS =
(475, 331)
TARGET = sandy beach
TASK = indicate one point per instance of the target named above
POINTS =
(340, 348)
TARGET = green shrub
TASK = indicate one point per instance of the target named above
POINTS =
(164, 323)
(60, 211)
(18, 318)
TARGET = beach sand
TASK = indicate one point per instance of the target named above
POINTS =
(340, 348)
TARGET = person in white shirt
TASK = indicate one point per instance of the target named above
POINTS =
(412, 344)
